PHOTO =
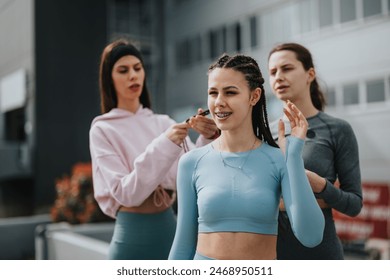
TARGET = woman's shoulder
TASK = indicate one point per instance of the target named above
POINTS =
(339, 128)
(193, 156)
(274, 154)
(111, 116)
(162, 119)
(269, 149)
(333, 121)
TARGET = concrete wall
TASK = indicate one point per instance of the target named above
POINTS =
(62, 241)
(17, 236)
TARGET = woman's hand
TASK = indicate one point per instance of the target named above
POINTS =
(204, 125)
(177, 133)
(298, 125)
(317, 182)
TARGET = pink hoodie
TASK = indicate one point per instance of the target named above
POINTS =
(132, 156)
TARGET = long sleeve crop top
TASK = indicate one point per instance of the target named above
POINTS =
(214, 197)
(131, 156)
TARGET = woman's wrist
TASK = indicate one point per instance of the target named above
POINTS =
(322, 186)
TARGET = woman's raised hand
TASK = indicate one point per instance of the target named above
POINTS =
(298, 122)
(298, 125)
(203, 125)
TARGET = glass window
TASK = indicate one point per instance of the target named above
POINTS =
(181, 54)
(375, 91)
(178, 55)
(330, 97)
(187, 52)
(179, 2)
(190, 55)
(253, 31)
(326, 13)
(347, 10)
(351, 94)
(213, 37)
(218, 41)
(223, 38)
(305, 16)
(197, 48)
(233, 38)
(122, 24)
(372, 7)
(238, 37)
(388, 5)
(14, 125)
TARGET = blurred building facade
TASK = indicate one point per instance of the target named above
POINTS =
(348, 39)
(49, 57)
(349, 42)
(53, 49)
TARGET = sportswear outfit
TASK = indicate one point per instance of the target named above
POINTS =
(240, 192)
(331, 151)
(131, 159)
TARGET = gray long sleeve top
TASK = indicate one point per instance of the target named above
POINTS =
(331, 151)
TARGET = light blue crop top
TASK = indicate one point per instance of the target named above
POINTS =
(214, 196)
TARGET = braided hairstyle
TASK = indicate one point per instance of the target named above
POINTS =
(251, 70)
(304, 56)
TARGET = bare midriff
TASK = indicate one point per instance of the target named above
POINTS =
(148, 206)
(237, 246)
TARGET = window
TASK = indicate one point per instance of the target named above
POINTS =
(232, 38)
(14, 125)
(122, 24)
(238, 36)
(325, 13)
(375, 91)
(347, 10)
(372, 7)
(213, 37)
(183, 54)
(330, 97)
(305, 14)
(253, 31)
(179, 2)
(351, 94)
(223, 39)
(197, 48)
(217, 42)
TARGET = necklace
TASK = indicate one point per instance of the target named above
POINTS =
(244, 161)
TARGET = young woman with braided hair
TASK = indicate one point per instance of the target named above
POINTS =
(330, 153)
(229, 190)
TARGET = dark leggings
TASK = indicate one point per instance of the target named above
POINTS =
(289, 248)
(142, 236)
